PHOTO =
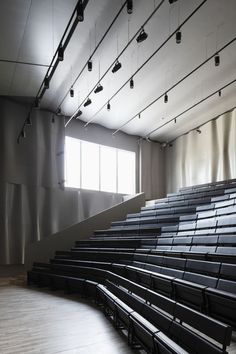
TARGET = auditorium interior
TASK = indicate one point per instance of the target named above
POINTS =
(118, 177)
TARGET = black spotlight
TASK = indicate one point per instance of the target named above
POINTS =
(90, 65)
(98, 89)
(166, 98)
(116, 67)
(172, 1)
(217, 60)
(46, 82)
(58, 111)
(37, 103)
(23, 134)
(178, 37)
(131, 83)
(142, 36)
(71, 92)
(198, 130)
(28, 120)
(78, 114)
(60, 55)
(108, 106)
(219, 93)
(80, 12)
(87, 103)
(129, 6)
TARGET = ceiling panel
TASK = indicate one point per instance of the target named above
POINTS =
(31, 31)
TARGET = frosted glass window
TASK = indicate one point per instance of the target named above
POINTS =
(72, 162)
(108, 169)
(90, 165)
(126, 172)
(98, 167)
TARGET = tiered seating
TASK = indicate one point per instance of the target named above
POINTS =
(167, 275)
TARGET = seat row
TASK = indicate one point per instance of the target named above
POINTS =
(148, 311)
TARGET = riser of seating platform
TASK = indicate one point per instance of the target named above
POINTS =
(167, 275)
(212, 274)
(224, 184)
(189, 202)
(215, 218)
(195, 196)
(207, 191)
(166, 315)
(150, 224)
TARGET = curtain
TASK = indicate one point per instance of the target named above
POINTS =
(33, 202)
(205, 156)
(152, 170)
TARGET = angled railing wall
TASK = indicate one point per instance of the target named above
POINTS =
(43, 250)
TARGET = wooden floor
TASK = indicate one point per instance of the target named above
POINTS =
(39, 321)
(36, 321)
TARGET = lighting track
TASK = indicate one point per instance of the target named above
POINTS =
(94, 51)
(70, 28)
(146, 61)
(63, 43)
(176, 84)
(113, 63)
(199, 126)
(191, 107)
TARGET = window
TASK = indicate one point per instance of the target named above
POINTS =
(99, 167)
(126, 172)
(90, 166)
(108, 169)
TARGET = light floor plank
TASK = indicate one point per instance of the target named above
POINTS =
(34, 321)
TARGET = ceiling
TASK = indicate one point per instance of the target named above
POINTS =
(31, 31)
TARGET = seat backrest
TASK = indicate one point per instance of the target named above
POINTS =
(200, 279)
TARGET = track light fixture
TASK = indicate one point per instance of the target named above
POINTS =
(116, 67)
(172, 1)
(23, 134)
(219, 93)
(108, 106)
(198, 130)
(28, 120)
(58, 111)
(46, 82)
(175, 120)
(129, 6)
(71, 92)
(142, 36)
(80, 11)
(60, 55)
(178, 37)
(131, 83)
(217, 60)
(90, 65)
(139, 115)
(166, 98)
(88, 102)
(98, 89)
(53, 119)
(37, 103)
(164, 145)
(79, 113)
